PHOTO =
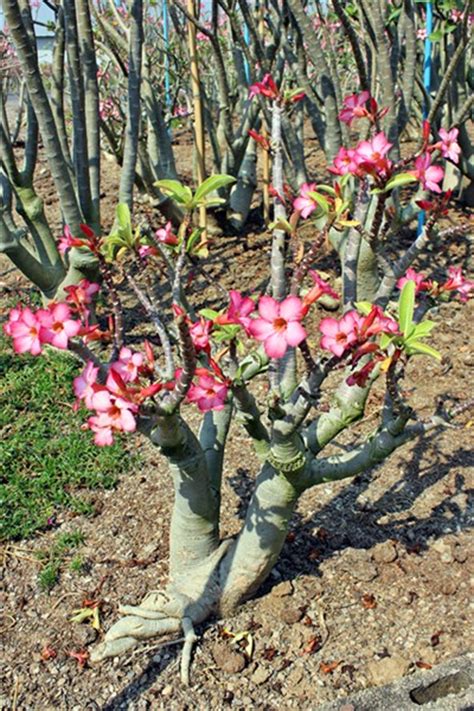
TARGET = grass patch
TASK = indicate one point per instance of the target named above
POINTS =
(45, 457)
(53, 558)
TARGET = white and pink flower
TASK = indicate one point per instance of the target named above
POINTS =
(278, 325)
(304, 203)
(208, 393)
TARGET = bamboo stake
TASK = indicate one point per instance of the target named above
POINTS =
(266, 154)
(198, 117)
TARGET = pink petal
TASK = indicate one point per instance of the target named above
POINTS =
(295, 333)
(59, 340)
(291, 309)
(329, 326)
(127, 421)
(101, 401)
(268, 308)
(260, 329)
(276, 345)
(61, 312)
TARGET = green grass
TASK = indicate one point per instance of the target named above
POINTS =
(45, 457)
(53, 559)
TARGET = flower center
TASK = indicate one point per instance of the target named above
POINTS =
(279, 324)
(341, 336)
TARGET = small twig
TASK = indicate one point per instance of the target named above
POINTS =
(7, 627)
(16, 690)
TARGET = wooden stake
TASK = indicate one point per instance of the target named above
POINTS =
(198, 116)
(266, 154)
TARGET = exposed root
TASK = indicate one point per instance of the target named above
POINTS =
(190, 638)
(160, 613)
(130, 631)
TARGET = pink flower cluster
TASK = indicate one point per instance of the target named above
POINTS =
(368, 158)
(115, 403)
(353, 329)
(455, 282)
(31, 330)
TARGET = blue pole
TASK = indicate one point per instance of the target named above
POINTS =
(426, 81)
(166, 35)
(246, 64)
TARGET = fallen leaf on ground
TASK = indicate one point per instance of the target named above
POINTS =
(329, 667)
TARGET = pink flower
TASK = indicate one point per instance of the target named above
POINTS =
(128, 364)
(304, 203)
(208, 393)
(65, 241)
(146, 250)
(25, 329)
(56, 326)
(80, 295)
(266, 87)
(320, 287)
(428, 175)
(278, 325)
(457, 282)
(338, 335)
(376, 322)
(421, 33)
(13, 317)
(113, 414)
(354, 107)
(449, 145)
(370, 155)
(165, 235)
(239, 310)
(84, 383)
(411, 275)
(200, 332)
(344, 162)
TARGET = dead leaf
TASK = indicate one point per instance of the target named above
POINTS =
(423, 665)
(313, 645)
(81, 657)
(369, 601)
(90, 614)
(269, 653)
(435, 638)
(48, 653)
(329, 667)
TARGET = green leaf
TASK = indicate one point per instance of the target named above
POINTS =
(281, 224)
(177, 191)
(423, 349)
(213, 202)
(210, 314)
(225, 333)
(193, 238)
(398, 180)
(406, 307)
(322, 202)
(124, 220)
(327, 189)
(385, 340)
(422, 329)
(365, 307)
(214, 182)
(436, 36)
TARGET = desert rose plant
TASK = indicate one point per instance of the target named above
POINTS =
(209, 360)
